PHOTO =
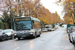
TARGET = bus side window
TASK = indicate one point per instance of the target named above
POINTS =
(36, 24)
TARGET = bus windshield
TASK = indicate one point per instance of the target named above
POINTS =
(22, 25)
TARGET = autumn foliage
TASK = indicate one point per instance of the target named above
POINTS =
(69, 10)
(30, 8)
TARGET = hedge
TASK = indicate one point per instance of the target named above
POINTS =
(4, 25)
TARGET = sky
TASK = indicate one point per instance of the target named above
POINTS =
(50, 4)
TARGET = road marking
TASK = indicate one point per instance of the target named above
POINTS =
(16, 48)
(25, 44)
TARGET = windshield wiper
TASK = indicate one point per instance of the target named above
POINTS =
(19, 26)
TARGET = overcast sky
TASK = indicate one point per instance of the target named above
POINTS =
(50, 4)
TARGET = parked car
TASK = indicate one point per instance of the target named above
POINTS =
(71, 34)
(3, 36)
(52, 29)
(48, 27)
(72, 37)
(44, 29)
(9, 32)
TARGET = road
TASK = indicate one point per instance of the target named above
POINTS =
(55, 40)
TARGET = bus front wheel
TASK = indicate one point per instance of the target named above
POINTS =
(18, 38)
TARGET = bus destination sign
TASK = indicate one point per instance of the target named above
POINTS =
(21, 19)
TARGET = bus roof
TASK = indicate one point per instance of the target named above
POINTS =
(32, 18)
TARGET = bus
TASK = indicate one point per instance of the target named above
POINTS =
(26, 27)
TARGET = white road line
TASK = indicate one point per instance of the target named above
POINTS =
(25, 44)
(17, 48)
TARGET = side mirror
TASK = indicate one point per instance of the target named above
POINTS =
(32, 21)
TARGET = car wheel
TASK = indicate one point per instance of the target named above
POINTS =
(39, 34)
(7, 38)
(12, 37)
(35, 35)
(73, 41)
(70, 40)
(2, 39)
(18, 38)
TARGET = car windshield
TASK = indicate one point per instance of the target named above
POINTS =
(47, 27)
(22, 25)
(6, 31)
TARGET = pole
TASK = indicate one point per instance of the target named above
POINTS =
(10, 12)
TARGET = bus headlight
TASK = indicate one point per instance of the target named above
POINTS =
(31, 33)
(15, 34)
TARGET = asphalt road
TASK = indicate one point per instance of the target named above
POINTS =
(55, 40)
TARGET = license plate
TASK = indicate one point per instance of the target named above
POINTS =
(23, 35)
(22, 31)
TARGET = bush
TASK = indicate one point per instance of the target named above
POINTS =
(3, 25)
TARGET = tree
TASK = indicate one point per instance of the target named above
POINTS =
(69, 8)
(27, 8)
(6, 7)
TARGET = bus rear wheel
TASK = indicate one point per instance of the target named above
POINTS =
(34, 36)
(39, 34)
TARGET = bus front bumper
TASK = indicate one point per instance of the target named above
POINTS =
(22, 35)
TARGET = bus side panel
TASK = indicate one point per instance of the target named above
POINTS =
(37, 27)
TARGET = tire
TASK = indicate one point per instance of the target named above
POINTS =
(2, 39)
(12, 37)
(7, 38)
(73, 41)
(34, 35)
(18, 38)
(70, 40)
(39, 34)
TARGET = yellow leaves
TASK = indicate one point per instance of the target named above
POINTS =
(73, 15)
(71, 20)
(66, 0)
(58, 4)
(13, 9)
(68, 6)
(34, 9)
(58, 0)
(23, 5)
(33, 15)
(38, 11)
(71, 0)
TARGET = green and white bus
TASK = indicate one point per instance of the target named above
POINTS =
(26, 27)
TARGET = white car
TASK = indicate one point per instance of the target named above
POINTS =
(72, 35)
(9, 32)
(44, 30)
(3, 36)
(48, 27)
(52, 29)
(56, 26)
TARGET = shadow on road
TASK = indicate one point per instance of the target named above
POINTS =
(26, 39)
